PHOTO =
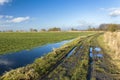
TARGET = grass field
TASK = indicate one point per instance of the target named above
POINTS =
(12, 42)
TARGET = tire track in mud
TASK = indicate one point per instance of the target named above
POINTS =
(70, 65)
(64, 60)
(96, 71)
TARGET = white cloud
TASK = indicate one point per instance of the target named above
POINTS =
(113, 12)
(12, 19)
(5, 62)
(2, 2)
(19, 19)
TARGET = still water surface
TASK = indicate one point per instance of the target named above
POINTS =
(22, 58)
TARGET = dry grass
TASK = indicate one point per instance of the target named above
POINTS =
(113, 41)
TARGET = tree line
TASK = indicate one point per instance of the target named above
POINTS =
(102, 27)
(106, 27)
(35, 30)
(41, 30)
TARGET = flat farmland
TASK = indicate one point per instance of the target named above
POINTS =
(12, 42)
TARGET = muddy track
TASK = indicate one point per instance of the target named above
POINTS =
(56, 65)
(59, 62)
(74, 67)
(65, 63)
(96, 69)
(91, 72)
(92, 60)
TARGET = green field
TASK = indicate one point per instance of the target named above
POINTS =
(12, 42)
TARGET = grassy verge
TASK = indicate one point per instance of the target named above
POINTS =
(11, 42)
(108, 65)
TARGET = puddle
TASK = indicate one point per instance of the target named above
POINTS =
(81, 46)
(71, 52)
(91, 49)
(91, 54)
(97, 49)
(99, 55)
(94, 55)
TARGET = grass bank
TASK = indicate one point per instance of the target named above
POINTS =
(110, 67)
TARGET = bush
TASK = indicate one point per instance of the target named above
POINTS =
(112, 27)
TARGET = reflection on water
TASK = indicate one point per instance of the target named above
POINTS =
(81, 46)
(71, 52)
(97, 49)
(5, 62)
(22, 58)
(91, 49)
(91, 54)
(99, 55)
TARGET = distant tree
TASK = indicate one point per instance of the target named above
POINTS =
(22, 30)
(54, 29)
(103, 27)
(33, 30)
(91, 29)
(9, 31)
(109, 27)
(17, 31)
(112, 27)
(43, 30)
(72, 29)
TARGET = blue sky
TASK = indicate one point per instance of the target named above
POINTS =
(38, 14)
